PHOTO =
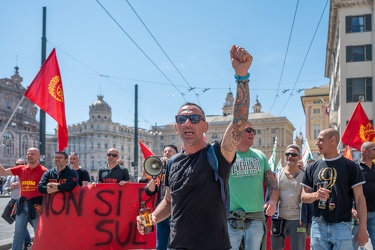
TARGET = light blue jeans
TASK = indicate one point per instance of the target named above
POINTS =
(331, 236)
(252, 236)
(21, 225)
(370, 229)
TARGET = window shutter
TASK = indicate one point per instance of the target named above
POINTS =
(368, 92)
(368, 52)
(349, 57)
(349, 94)
(348, 24)
(368, 22)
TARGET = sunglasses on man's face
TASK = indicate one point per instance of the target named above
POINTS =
(250, 130)
(113, 155)
(291, 154)
(181, 119)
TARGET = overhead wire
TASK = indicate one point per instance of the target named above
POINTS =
(143, 52)
(170, 60)
(286, 54)
(304, 60)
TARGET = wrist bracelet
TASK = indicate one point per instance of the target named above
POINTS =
(241, 78)
(242, 81)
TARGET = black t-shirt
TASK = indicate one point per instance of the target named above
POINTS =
(114, 175)
(343, 175)
(198, 218)
(369, 186)
(83, 175)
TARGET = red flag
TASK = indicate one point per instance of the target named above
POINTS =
(358, 130)
(145, 150)
(46, 91)
(348, 153)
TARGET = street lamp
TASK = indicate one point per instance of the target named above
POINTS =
(155, 133)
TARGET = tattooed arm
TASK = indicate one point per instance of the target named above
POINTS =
(241, 62)
(273, 192)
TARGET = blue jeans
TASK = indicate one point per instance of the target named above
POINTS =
(21, 225)
(327, 236)
(162, 234)
(252, 236)
(27, 238)
(370, 229)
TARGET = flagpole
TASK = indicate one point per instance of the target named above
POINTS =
(42, 114)
(10, 118)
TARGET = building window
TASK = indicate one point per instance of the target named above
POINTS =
(273, 130)
(316, 111)
(259, 142)
(92, 145)
(359, 53)
(106, 145)
(259, 132)
(173, 137)
(358, 23)
(359, 89)
(316, 130)
(98, 145)
(8, 104)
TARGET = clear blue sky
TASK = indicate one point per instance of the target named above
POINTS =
(96, 56)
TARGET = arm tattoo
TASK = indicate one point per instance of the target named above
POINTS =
(240, 116)
(270, 180)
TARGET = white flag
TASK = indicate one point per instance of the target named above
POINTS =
(272, 160)
(307, 155)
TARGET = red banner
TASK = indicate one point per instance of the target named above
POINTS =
(358, 130)
(94, 217)
(47, 92)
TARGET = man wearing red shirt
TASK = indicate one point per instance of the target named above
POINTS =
(29, 176)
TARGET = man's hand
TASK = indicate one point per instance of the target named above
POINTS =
(241, 60)
(362, 236)
(140, 227)
(270, 207)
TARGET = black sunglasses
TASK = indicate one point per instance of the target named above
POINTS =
(249, 130)
(291, 154)
(181, 119)
(113, 155)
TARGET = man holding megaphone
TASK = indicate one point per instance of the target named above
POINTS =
(156, 168)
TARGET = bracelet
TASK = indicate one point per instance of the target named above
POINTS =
(242, 81)
(241, 78)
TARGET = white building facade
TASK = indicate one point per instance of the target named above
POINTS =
(349, 60)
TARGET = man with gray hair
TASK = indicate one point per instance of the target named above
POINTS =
(287, 221)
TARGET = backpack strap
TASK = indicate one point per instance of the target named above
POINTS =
(214, 163)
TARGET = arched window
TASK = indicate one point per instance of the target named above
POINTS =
(24, 144)
(8, 141)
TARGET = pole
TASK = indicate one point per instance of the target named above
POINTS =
(42, 114)
(10, 118)
(135, 163)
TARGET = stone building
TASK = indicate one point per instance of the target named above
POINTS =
(22, 131)
(268, 127)
(92, 138)
(315, 105)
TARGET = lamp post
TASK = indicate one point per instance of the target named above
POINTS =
(155, 133)
(299, 140)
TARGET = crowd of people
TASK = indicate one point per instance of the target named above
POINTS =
(212, 196)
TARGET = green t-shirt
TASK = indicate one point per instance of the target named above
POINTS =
(246, 181)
